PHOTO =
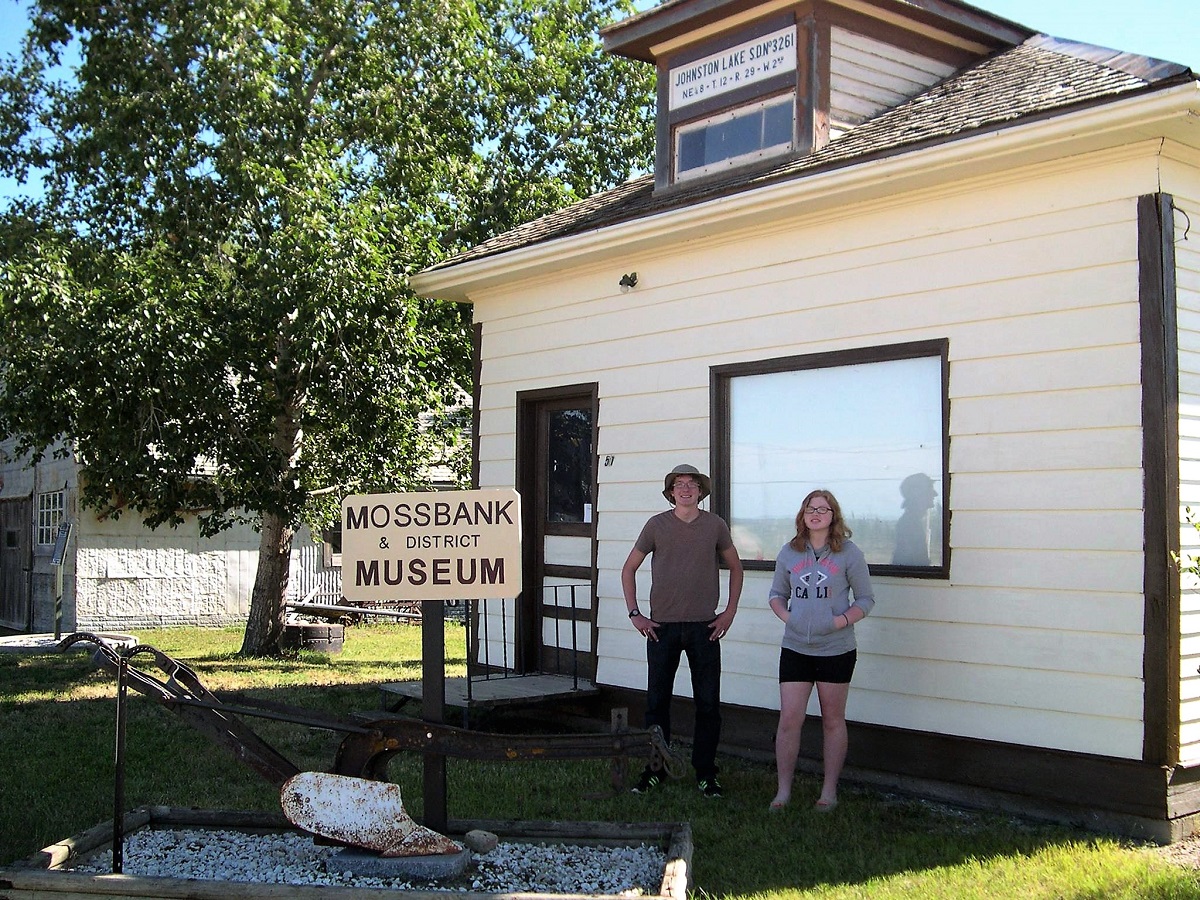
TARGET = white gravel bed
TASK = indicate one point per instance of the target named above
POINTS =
(226, 855)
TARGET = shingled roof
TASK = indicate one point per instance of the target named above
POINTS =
(1041, 77)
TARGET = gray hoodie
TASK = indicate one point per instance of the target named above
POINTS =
(817, 591)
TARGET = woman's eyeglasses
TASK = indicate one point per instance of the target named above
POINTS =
(817, 510)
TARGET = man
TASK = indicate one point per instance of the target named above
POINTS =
(685, 544)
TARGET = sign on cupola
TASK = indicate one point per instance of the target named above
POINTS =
(719, 73)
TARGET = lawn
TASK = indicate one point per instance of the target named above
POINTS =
(57, 728)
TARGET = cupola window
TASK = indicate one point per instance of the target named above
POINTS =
(747, 133)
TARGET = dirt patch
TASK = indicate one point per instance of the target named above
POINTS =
(1184, 853)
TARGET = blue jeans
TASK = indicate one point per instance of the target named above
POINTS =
(704, 661)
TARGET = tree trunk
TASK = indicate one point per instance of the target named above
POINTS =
(264, 628)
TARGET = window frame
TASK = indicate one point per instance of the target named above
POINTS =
(47, 510)
(720, 381)
(727, 114)
(669, 118)
(557, 527)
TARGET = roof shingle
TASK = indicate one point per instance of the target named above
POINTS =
(1043, 76)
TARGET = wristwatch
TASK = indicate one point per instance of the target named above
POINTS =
(634, 613)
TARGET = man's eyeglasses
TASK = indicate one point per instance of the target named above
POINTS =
(817, 510)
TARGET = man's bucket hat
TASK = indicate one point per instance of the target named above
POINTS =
(685, 469)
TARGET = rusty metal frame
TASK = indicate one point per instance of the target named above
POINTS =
(370, 741)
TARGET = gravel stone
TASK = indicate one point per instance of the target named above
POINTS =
(291, 858)
(481, 841)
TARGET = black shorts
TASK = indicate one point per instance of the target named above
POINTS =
(795, 666)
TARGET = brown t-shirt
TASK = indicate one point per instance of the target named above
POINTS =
(684, 562)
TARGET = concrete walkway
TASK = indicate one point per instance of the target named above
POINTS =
(45, 642)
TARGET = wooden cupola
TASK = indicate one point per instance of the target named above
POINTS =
(741, 82)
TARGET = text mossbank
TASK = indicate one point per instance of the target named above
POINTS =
(444, 545)
(423, 513)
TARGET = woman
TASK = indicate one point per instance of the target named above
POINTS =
(815, 574)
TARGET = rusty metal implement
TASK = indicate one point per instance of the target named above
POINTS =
(370, 741)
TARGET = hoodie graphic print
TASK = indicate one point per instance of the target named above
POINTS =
(818, 590)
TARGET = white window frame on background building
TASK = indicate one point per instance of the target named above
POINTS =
(869, 424)
(51, 509)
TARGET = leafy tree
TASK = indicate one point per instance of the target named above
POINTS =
(209, 303)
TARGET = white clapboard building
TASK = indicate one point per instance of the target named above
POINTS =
(945, 266)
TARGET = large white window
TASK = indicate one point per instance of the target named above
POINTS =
(868, 425)
(50, 510)
(754, 131)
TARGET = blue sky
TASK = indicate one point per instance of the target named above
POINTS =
(1166, 29)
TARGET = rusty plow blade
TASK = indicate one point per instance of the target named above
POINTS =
(361, 813)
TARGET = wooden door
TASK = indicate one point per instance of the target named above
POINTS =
(557, 480)
(16, 545)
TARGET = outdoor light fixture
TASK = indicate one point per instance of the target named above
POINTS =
(628, 281)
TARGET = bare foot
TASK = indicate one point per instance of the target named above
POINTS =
(824, 805)
(780, 801)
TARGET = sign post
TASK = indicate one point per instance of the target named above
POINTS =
(432, 547)
(56, 560)
(433, 709)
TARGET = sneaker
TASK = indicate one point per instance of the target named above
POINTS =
(648, 782)
(710, 787)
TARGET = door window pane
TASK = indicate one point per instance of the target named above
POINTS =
(569, 461)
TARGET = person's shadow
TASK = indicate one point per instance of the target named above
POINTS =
(912, 528)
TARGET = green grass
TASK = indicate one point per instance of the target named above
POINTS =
(56, 756)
